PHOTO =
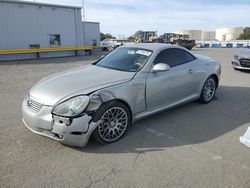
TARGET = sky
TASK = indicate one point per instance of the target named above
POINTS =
(125, 17)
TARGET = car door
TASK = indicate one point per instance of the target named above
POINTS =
(174, 85)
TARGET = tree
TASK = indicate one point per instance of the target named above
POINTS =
(106, 36)
(245, 35)
(102, 36)
(131, 39)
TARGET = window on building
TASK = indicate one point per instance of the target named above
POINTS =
(94, 42)
(34, 46)
(55, 40)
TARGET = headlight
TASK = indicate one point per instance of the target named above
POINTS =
(72, 107)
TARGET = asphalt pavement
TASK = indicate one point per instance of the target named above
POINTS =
(194, 145)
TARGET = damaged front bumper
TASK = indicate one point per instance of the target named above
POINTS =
(72, 132)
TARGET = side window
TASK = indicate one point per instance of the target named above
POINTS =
(173, 57)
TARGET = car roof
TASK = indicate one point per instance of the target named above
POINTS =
(151, 46)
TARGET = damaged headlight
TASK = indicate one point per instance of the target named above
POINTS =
(72, 107)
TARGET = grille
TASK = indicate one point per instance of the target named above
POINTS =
(245, 62)
(34, 105)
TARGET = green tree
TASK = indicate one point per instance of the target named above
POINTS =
(245, 35)
(102, 36)
(131, 39)
(106, 36)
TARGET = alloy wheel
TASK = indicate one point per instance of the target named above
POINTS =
(113, 124)
(209, 90)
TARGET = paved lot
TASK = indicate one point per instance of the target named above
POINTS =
(191, 146)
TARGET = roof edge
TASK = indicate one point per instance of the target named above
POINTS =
(91, 22)
(40, 3)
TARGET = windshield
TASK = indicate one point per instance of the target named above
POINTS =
(125, 59)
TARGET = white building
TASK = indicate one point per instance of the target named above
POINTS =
(91, 33)
(208, 35)
(227, 34)
(25, 25)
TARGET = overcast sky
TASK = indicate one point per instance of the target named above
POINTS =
(125, 17)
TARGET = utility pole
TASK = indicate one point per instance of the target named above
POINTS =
(83, 10)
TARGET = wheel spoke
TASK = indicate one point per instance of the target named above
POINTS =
(104, 128)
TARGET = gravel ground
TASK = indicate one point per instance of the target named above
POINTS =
(193, 145)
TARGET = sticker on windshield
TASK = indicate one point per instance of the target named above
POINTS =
(143, 52)
(131, 52)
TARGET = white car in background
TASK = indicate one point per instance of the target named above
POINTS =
(110, 44)
(241, 60)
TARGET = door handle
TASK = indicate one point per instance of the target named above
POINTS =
(190, 71)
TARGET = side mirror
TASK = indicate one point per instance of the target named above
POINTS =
(160, 67)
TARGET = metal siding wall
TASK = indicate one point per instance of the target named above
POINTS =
(91, 31)
(78, 25)
(29, 24)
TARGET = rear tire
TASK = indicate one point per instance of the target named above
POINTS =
(208, 90)
(115, 120)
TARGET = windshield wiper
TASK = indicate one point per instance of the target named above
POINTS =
(114, 68)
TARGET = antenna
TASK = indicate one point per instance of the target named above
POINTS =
(83, 11)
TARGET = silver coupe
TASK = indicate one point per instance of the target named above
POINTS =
(241, 60)
(103, 99)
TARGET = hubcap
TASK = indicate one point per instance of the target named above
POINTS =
(113, 124)
(209, 90)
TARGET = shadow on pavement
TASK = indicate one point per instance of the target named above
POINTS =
(245, 71)
(192, 123)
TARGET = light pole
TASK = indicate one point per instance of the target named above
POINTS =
(83, 11)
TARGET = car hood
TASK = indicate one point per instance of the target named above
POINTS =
(244, 53)
(203, 58)
(82, 80)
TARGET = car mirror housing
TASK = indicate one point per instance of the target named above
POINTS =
(160, 67)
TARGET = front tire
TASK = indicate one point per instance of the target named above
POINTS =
(115, 120)
(208, 90)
